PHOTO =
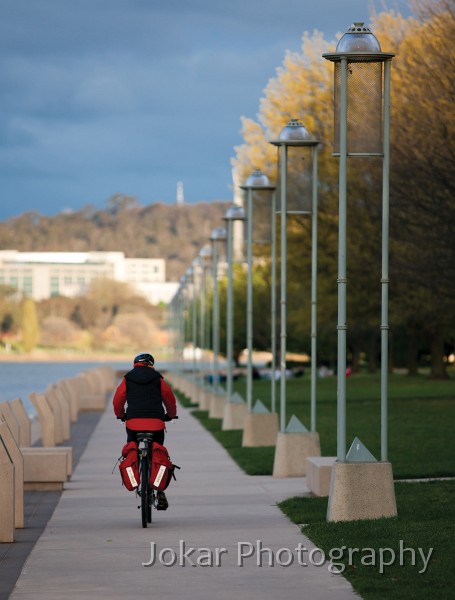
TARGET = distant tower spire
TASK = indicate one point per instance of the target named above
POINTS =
(180, 198)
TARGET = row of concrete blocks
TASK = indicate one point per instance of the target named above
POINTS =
(24, 467)
(296, 454)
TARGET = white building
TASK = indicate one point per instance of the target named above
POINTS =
(42, 275)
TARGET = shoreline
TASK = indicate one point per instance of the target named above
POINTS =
(66, 357)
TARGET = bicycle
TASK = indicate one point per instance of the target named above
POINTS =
(147, 493)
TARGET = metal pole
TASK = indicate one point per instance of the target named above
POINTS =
(187, 323)
(194, 321)
(202, 317)
(314, 275)
(215, 315)
(229, 311)
(171, 317)
(273, 306)
(385, 263)
(249, 303)
(283, 290)
(342, 281)
(182, 328)
(179, 328)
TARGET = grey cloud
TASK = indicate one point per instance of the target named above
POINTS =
(101, 96)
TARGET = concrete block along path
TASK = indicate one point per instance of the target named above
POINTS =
(94, 545)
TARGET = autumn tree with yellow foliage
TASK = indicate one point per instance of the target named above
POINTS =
(423, 155)
(422, 207)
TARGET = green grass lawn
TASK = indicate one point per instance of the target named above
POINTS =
(426, 520)
(421, 418)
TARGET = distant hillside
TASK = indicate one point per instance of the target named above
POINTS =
(175, 233)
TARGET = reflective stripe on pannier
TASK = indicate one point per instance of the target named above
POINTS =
(162, 468)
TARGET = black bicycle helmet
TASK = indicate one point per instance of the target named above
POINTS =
(145, 358)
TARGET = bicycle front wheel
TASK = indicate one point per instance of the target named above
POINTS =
(145, 492)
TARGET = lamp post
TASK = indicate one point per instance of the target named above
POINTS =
(173, 318)
(205, 255)
(298, 198)
(217, 238)
(192, 321)
(201, 264)
(258, 189)
(182, 310)
(233, 213)
(362, 128)
(197, 282)
(273, 307)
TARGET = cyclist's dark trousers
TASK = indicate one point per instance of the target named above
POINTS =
(157, 437)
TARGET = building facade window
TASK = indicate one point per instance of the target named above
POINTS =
(28, 285)
(55, 288)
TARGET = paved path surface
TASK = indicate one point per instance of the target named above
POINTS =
(94, 546)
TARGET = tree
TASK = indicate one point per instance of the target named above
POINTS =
(57, 331)
(9, 311)
(29, 325)
(422, 184)
(422, 258)
(119, 202)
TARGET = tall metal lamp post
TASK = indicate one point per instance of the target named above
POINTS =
(298, 174)
(298, 184)
(259, 193)
(362, 128)
(191, 283)
(260, 425)
(218, 240)
(174, 324)
(182, 316)
(234, 213)
(197, 282)
(204, 258)
(205, 255)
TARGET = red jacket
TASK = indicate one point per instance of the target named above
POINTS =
(146, 424)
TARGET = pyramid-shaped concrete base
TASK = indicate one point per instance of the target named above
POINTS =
(216, 406)
(196, 394)
(362, 490)
(260, 429)
(292, 450)
(234, 415)
(204, 399)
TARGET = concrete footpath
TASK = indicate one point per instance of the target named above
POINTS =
(94, 545)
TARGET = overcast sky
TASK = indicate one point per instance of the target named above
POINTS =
(99, 97)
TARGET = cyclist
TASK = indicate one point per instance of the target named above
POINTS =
(149, 403)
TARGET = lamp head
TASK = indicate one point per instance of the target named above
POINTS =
(294, 131)
(358, 38)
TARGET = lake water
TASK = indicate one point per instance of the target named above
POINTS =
(18, 380)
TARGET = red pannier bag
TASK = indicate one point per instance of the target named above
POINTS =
(162, 469)
(129, 466)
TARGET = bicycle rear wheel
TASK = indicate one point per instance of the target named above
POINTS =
(149, 506)
(145, 493)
